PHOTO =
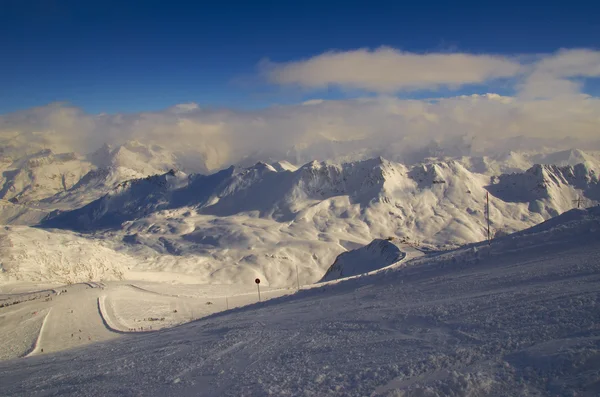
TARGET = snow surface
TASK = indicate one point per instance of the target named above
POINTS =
(267, 220)
(68, 180)
(18, 214)
(40, 175)
(519, 317)
(378, 254)
(63, 317)
(36, 255)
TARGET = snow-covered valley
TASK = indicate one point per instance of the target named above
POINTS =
(517, 317)
(135, 216)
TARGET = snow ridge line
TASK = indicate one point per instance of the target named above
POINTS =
(154, 292)
(105, 318)
(108, 323)
(36, 345)
(404, 255)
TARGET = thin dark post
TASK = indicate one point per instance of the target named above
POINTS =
(578, 201)
(257, 281)
(297, 278)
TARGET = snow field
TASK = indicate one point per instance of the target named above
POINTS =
(38, 256)
(518, 322)
(19, 331)
(130, 308)
(92, 312)
(519, 317)
(267, 220)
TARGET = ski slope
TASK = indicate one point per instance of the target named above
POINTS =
(519, 317)
(70, 316)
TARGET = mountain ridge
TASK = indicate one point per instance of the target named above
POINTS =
(266, 219)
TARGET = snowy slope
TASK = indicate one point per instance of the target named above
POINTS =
(267, 219)
(377, 185)
(549, 189)
(376, 255)
(36, 255)
(90, 187)
(128, 200)
(68, 180)
(568, 157)
(133, 155)
(41, 175)
(112, 166)
(517, 318)
(20, 214)
(46, 319)
(510, 162)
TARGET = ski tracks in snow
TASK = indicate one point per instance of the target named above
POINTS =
(35, 348)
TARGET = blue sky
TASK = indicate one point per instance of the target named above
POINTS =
(130, 56)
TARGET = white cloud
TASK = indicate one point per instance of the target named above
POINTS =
(387, 70)
(313, 102)
(404, 130)
(184, 107)
(552, 76)
(571, 63)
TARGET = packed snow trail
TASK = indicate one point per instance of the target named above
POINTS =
(517, 318)
(73, 321)
(36, 347)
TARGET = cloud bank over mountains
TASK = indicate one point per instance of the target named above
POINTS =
(547, 108)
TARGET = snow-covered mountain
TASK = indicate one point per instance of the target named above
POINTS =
(408, 196)
(510, 162)
(263, 220)
(568, 157)
(40, 175)
(549, 189)
(48, 180)
(133, 155)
